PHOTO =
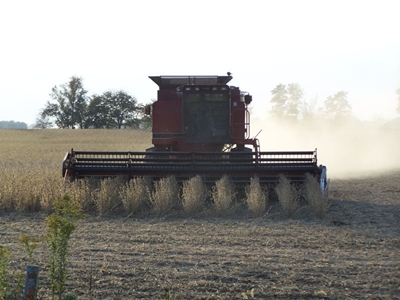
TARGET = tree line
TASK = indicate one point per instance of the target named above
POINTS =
(13, 125)
(288, 102)
(71, 107)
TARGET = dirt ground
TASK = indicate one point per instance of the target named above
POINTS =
(352, 253)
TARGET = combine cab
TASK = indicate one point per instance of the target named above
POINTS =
(201, 126)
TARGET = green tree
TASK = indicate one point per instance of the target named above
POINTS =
(286, 100)
(143, 116)
(114, 110)
(337, 106)
(97, 113)
(278, 100)
(72, 108)
(146, 122)
(69, 109)
(123, 108)
(295, 96)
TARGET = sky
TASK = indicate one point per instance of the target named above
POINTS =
(324, 46)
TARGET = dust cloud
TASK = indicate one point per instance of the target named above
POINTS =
(348, 149)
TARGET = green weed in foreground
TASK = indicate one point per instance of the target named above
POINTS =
(30, 244)
(10, 283)
(61, 224)
(168, 296)
(4, 273)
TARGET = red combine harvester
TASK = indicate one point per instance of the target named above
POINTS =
(201, 126)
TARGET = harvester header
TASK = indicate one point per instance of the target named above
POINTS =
(200, 126)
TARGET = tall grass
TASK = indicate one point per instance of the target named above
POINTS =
(135, 195)
(256, 197)
(194, 195)
(24, 189)
(108, 196)
(30, 162)
(83, 191)
(314, 196)
(223, 194)
(288, 196)
(30, 178)
(165, 195)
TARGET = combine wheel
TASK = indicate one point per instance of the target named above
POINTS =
(324, 181)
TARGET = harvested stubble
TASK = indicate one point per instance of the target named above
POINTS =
(352, 253)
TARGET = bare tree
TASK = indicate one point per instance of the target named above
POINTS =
(42, 122)
(307, 108)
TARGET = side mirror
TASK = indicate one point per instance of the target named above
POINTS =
(248, 99)
(147, 110)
